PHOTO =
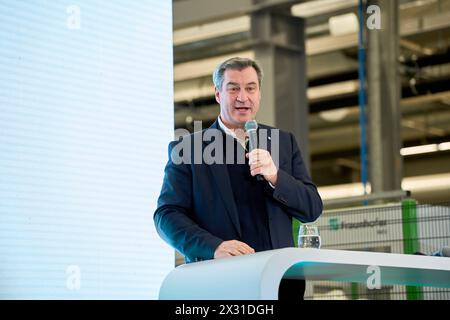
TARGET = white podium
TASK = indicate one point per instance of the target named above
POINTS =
(257, 276)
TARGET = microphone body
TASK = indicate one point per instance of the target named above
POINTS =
(251, 127)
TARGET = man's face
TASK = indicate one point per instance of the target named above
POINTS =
(239, 97)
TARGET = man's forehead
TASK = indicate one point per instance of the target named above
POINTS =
(246, 75)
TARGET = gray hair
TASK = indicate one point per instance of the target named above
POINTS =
(235, 63)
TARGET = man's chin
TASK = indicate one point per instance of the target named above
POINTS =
(243, 119)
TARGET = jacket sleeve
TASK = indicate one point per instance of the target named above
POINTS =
(297, 192)
(173, 217)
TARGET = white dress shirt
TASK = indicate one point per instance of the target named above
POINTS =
(232, 133)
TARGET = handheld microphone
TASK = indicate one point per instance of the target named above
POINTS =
(250, 128)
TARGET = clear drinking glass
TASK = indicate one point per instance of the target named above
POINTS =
(308, 236)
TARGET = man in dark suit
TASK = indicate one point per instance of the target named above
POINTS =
(216, 207)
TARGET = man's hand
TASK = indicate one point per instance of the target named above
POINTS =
(261, 162)
(232, 248)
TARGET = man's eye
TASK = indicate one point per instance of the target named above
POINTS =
(233, 89)
(251, 89)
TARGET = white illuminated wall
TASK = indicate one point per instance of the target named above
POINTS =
(86, 113)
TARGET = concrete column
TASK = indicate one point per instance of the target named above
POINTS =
(384, 91)
(280, 48)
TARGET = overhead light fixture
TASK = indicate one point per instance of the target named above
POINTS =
(211, 30)
(343, 24)
(444, 146)
(333, 89)
(427, 148)
(419, 149)
(321, 7)
(343, 190)
(334, 115)
(428, 183)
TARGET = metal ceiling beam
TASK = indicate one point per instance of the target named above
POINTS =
(193, 12)
(344, 136)
(410, 106)
(280, 49)
(204, 67)
(342, 133)
(316, 45)
(232, 16)
(211, 30)
(203, 87)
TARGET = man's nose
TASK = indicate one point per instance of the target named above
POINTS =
(242, 96)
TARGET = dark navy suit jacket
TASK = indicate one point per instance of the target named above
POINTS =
(196, 209)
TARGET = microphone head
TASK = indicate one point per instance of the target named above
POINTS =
(251, 125)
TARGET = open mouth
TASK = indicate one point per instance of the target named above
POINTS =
(243, 109)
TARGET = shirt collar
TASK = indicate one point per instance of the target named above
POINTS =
(230, 132)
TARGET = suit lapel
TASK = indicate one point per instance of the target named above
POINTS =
(220, 174)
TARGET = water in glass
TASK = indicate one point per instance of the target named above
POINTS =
(308, 236)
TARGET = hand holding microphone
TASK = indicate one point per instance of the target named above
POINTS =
(260, 160)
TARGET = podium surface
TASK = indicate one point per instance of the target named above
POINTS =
(257, 276)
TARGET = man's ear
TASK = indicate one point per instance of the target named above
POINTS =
(217, 95)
